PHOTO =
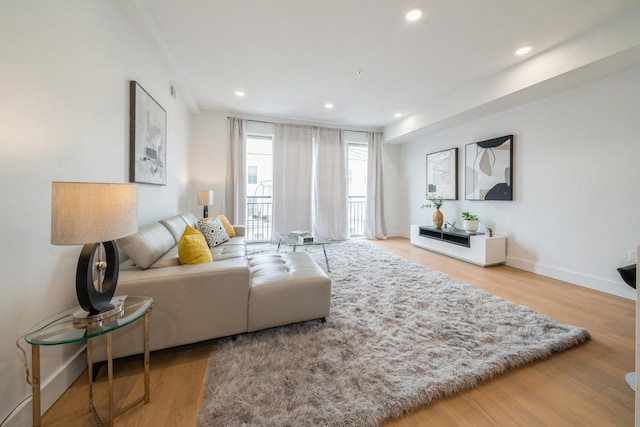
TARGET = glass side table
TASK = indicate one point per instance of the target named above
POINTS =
(61, 329)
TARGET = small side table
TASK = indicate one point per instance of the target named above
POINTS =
(60, 329)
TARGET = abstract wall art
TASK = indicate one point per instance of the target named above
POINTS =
(442, 174)
(489, 169)
(148, 138)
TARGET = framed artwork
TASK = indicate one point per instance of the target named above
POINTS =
(442, 174)
(148, 138)
(489, 169)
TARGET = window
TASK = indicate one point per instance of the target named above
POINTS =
(259, 187)
(357, 167)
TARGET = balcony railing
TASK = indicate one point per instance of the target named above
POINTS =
(357, 205)
(258, 226)
(259, 217)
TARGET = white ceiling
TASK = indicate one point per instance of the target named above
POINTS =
(293, 56)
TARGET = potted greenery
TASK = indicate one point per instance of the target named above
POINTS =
(470, 222)
(435, 201)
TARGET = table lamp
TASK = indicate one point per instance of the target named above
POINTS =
(94, 215)
(205, 198)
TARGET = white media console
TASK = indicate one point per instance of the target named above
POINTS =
(474, 248)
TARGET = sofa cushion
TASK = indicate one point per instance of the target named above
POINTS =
(147, 245)
(190, 219)
(175, 225)
(193, 248)
(227, 225)
(170, 259)
(226, 251)
(213, 230)
(238, 241)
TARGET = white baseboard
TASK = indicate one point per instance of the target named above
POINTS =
(584, 280)
(52, 388)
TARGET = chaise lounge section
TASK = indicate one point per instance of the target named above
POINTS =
(234, 294)
(285, 288)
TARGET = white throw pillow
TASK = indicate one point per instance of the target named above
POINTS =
(213, 230)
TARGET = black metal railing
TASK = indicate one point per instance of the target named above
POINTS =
(357, 206)
(258, 226)
(259, 217)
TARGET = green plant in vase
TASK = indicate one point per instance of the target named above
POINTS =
(435, 201)
(470, 222)
(469, 217)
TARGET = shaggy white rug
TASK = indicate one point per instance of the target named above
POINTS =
(399, 336)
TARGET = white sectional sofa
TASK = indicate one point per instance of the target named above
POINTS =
(231, 295)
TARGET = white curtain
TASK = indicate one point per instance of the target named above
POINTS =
(331, 209)
(374, 224)
(235, 196)
(292, 184)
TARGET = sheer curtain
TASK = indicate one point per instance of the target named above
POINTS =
(374, 224)
(331, 209)
(235, 196)
(292, 183)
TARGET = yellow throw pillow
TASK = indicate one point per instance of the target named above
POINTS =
(227, 225)
(193, 248)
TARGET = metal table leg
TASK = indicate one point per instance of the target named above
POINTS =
(35, 384)
(147, 393)
(90, 374)
(146, 358)
(94, 411)
(110, 371)
(326, 259)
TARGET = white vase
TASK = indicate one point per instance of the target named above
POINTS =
(470, 226)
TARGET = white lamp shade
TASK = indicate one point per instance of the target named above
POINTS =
(84, 213)
(205, 197)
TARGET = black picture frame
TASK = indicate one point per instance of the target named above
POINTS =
(442, 173)
(147, 138)
(489, 169)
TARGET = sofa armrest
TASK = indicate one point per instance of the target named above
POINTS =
(239, 230)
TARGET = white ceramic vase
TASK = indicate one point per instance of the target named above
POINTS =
(470, 226)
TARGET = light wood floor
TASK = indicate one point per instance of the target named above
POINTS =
(583, 386)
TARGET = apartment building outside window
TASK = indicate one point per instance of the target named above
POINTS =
(252, 175)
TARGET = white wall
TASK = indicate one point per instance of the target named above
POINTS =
(575, 172)
(64, 115)
(208, 164)
(396, 216)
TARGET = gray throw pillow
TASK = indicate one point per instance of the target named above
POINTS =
(213, 230)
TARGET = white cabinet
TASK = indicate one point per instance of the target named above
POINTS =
(474, 248)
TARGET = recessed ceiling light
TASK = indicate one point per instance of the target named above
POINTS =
(239, 93)
(397, 115)
(523, 50)
(413, 15)
(328, 106)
